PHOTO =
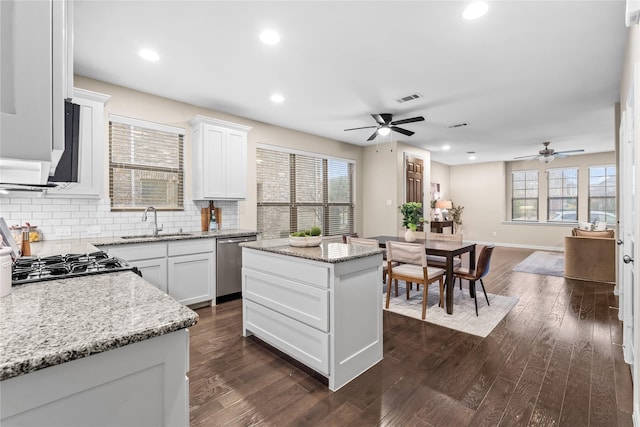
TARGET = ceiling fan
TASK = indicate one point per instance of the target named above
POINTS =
(386, 125)
(547, 154)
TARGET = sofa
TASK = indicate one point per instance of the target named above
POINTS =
(590, 255)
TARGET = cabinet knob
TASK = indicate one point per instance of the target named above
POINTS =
(619, 242)
(627, 259)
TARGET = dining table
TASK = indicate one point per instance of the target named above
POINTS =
(446, 249)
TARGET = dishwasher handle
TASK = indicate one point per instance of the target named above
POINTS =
(235, 240)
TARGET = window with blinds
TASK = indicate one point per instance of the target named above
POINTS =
(524, 196)
(602, 194)
(297, 191)
(562, 205)
(145, 165)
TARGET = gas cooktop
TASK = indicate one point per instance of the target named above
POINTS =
(36, 269)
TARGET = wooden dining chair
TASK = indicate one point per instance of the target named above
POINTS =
(346, 236)
(374, 243)
(474, 275)
(412, 268)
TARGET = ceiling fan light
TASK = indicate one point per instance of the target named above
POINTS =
(546, 159)
(475, 10)
(384, 131)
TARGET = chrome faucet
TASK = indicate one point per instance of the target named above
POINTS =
(155, 219)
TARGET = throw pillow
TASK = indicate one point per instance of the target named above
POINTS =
(584, 233)
(600, 226)
(585, 226)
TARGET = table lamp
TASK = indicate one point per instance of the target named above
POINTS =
(444, 206)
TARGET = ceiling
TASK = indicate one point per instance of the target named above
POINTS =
(526, 72)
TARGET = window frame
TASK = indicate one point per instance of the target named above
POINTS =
(525, 199)
(294, 205)
(605, 197)
(140, 125)
(564, 197)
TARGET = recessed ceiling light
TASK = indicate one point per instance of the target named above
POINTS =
(277, 98)
(149, 55)
(446, 147)
(475, 10)
(269, 37)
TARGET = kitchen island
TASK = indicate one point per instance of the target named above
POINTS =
(107, 349)
(320, 305)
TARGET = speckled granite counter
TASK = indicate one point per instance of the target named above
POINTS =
(330, 252)
(49, 323)
(86, 245)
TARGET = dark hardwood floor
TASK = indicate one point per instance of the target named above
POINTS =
(556, 359)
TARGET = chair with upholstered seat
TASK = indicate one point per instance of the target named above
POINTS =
(373, 243)
(440, 261)
(346, 236)
(474, 275)
(412, 268)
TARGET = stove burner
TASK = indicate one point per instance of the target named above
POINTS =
(56, 269)
(80, 266)
(98, 255)
(22, 273)
(34, 269)
(109, 263)
(55, 259)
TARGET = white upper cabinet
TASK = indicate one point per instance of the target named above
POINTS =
(219, 161)
(92, 148)
(36, 76)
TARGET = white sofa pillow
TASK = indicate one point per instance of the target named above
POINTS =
(585, 226)
(600, 226)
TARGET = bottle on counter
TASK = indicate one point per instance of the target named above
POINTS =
(213, 225)
(26, 244)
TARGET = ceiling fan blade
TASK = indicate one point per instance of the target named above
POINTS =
(373, 136)
(404, 131)
(382, 118)
(411, 120)
(527, 157)
(569, 151)
(364, 127)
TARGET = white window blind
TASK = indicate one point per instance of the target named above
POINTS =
(145, 165)
(297, 191)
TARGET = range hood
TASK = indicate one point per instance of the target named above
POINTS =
(33, 175)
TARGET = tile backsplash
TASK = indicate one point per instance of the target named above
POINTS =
(62, 218)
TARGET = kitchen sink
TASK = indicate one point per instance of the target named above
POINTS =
(160, 235)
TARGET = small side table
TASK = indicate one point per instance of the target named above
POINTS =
(438, 226)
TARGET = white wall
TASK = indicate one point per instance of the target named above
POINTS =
(484, 190)
(74, 216)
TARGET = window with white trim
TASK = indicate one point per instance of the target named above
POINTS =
(562, 205)
(524, 195)
(145, 165)
(296, 191)
(602, 194)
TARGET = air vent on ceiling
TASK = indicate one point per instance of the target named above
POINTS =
(408, 98)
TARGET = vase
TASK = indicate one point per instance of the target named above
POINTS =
(410, 235)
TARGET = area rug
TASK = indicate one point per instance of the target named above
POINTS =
(540, 262)
(464, 317)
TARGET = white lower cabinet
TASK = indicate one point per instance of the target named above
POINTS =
(325, 315)
(140, 384)
(185, 269)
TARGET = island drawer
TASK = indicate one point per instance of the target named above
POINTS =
(292, 268)
(304, 343)
(307, 304)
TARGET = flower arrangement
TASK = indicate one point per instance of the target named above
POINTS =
(411, 215)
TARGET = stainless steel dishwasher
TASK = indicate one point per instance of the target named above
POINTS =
(229, 267)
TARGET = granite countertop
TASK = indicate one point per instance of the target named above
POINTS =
(88, 245)
(52, 322)
(331, 252)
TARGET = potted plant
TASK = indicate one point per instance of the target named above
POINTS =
(455, 213)
(411, 218)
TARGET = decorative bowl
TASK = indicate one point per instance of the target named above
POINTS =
(305, 242)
